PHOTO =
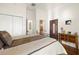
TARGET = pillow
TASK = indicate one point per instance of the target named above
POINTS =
(1, 44)
(6, 38)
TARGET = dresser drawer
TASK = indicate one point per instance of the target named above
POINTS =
(71, 39)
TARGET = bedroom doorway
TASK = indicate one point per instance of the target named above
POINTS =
(54, 28)
(41, 27)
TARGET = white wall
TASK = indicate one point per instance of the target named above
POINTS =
(13, 18)
(18, 9)
(46, 12)
(64, 12)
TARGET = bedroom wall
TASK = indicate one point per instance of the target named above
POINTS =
(13, 18)
(13, 9)
(64, 12)
(45, 12)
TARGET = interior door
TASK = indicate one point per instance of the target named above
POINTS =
(54, 28)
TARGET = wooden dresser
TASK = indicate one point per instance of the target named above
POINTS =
(69, 38)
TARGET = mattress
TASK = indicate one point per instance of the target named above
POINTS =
(26, 49)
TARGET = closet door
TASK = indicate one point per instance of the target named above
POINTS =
(17, 26)
(6, 23)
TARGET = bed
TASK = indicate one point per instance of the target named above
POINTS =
(44, 46)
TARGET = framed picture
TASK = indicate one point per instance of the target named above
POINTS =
(68, 22)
